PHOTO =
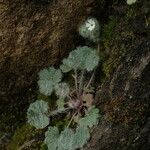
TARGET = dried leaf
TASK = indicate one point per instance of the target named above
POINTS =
(88, 99)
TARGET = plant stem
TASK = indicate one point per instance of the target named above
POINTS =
(90, 81)
(71, 119)
(98, 49)
(81, 82)
(26, 144)
(76, 82)
(59, 111)
(69, 97)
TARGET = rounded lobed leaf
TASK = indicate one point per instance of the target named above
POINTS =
(65, 68)
(81, 137)
(36, 114)
(48, 78)
(60, 103)
(45, 87)
(62, 90)
(51, 138)
(81, 58)
(51, 74)
(91, 61)
(91, 118)
(66, 139)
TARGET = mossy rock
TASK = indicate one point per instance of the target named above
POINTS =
(120, 34)
(26, 136)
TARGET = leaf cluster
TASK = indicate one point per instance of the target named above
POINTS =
(70, 99)
(68, 139)
(79, 59)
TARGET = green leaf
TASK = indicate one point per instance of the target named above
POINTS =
(91, 61)
(65, 67)
(60, 103)
(48, 78)
(50, 74)
(62, 90)
(81, 58)
(66, 139)
(45, 87)
(36, 114)
(130, 2)
(51, 138)
(90, 119)
(81, 137)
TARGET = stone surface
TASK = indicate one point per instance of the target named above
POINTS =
(124, 101)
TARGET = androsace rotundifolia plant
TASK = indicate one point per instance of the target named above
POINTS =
(75, 100)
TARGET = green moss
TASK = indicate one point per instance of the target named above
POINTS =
(129, 112)
(108, 36)
(117, 41)
(25, 134)
(11, 118)
(131, 13)
(108, 31)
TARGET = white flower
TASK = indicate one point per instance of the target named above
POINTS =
(90, 24)
(130, 2)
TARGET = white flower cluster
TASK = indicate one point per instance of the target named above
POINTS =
(90, 30)
(90, 24)
(130, 2)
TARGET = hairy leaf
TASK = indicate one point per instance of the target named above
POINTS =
(48, 78)
(81, 137)
(91, 61)
(45, 87)
(36, 114)
(90, 119)
(66, 139)
(51, 138)
(50, 74)
(60, 103)
(66, 67)
(62, 90)
(81, 58)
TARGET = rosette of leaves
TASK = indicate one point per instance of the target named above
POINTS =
(81, 58)
(90, 29)
(36, 114)
(74, 102)
(48, 79)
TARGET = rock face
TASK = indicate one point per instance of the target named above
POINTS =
(37, 33)
(125, 103)
(34, 34)
(124, 96)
